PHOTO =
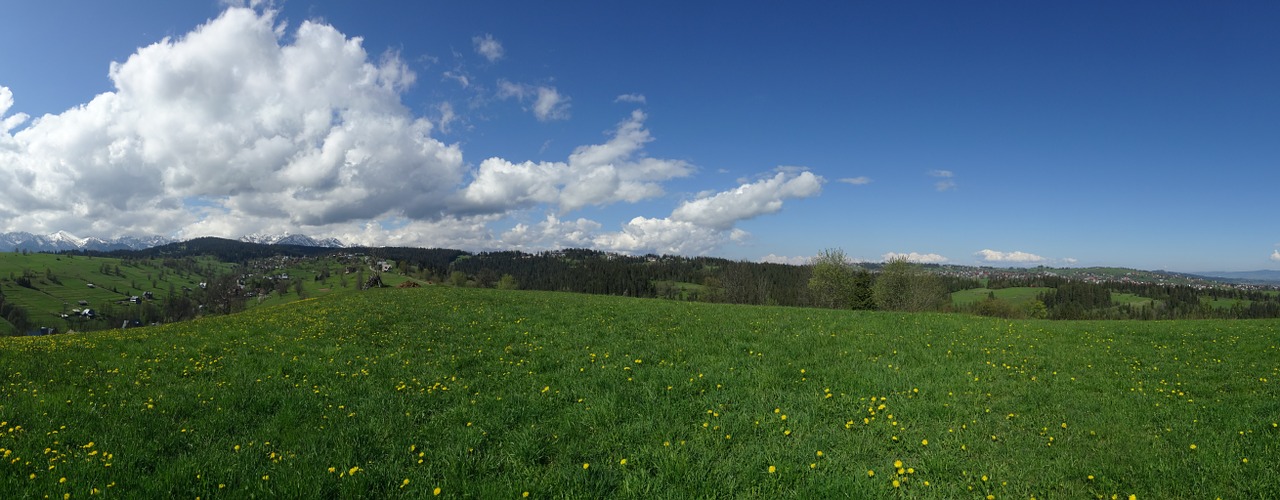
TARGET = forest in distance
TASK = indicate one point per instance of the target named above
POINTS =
(210, 276)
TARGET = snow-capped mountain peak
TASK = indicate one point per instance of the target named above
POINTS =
(292, 239)
(63, 240)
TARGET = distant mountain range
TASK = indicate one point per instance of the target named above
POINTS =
(1262, 276)
(292, 239)
(64, 241)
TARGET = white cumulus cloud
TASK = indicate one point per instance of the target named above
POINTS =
(600, 174)
(488, 46)
(921, 258)
(997, 256)
(311, 131)
(723, 210)
(1275, 255)
(700, 225)
(246, 125)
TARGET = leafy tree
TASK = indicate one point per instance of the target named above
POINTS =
(903, 286)
(834, 282)
(508, 282)
(458, 278)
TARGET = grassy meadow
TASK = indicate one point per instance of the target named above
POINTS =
(498, 394)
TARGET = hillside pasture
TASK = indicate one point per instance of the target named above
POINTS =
(494, 394)
(1018, 296)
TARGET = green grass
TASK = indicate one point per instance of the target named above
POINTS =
(1015, 295)
(1129, 298)
(489, 394)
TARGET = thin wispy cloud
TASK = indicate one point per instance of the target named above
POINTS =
(856, 181)
(632, 98)
(946, 183)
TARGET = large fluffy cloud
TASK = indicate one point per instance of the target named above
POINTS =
(246, 126)
(309, 130)
(1275, 255)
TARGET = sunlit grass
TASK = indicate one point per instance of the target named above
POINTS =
(492, 394)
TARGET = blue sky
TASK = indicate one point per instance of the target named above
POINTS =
(1139, 134)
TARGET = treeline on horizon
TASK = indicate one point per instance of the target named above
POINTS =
(829, 281)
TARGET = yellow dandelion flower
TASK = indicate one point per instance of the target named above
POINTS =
(819, 452)
(585, 466)
(622, 462)
(525, 494)
(333, 469)
(436, 491)
(924, 442)
(871, 473)
(352, 471)
(266, 477)
(1193, 446)
(772, 469)
(896, 483)
(897, 464)
(404, 483)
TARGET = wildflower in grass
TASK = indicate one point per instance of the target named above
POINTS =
(896, 483)
(924, 442)
(352, 471)
(436, 491)
(871, 473)
(1193, 446)
(586, 466)
(525, 494)
(333, 469)
(819, 452)
(772, 469)
(897, 464)
(813, 465)
(622, 462)
(266, 477)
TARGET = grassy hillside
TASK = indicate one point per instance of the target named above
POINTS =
(60, 282)
(484, 393)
